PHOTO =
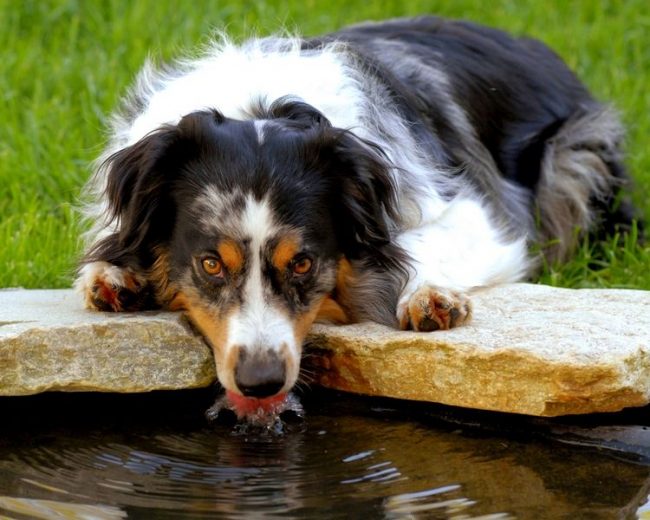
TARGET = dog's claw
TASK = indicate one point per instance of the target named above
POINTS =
(433, 308)
(110, 288)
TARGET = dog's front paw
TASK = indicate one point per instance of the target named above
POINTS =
(107, 287)
(433, 308)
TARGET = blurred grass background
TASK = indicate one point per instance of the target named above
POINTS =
(66, 63)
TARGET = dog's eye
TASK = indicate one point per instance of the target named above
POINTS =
(212, 266)
(301, 265)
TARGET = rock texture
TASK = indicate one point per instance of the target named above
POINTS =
(48, 342)
(530, 349)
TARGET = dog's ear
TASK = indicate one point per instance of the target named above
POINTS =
(295, 110)
(364, 198)
(137, 178)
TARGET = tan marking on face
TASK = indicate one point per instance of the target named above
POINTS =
(331, 311)
(231, 255)
(284, 252)
(344, 274)
(159, 278)
(304, 321)
(179, 302)
(166, 294)
(226, 368)
(215, 329)
(301, 327)
(336, 307)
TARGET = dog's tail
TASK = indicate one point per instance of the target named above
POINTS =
(583, 183)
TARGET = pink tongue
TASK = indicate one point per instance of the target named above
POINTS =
(244, 406)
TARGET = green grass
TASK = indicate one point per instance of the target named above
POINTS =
(66, 63)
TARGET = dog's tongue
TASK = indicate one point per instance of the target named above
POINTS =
(247, 407)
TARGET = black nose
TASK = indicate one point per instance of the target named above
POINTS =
(259, 373)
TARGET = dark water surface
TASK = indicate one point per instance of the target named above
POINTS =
(154, 456)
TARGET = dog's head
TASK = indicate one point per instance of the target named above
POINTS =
(244, 225)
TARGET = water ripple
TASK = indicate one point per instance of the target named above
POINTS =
(335, 465)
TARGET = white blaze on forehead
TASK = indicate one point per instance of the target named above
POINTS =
(257, 221)
(259, 323)
(259, 129)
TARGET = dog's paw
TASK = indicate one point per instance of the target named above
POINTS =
(107, 287)
(433, 308)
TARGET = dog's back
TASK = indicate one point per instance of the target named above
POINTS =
(501, 108)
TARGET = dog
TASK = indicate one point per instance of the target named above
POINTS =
(381, 172)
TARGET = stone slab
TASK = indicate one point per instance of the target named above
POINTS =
(49, 342)
(530, 349)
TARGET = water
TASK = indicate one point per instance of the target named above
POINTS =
(154, 456)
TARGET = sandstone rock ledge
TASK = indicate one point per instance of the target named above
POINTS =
(530, 349)
(49, 342)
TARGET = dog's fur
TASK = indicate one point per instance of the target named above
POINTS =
(378, 173)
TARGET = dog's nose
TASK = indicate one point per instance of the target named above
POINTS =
(259, 373)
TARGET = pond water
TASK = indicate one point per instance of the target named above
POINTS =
(154, 456)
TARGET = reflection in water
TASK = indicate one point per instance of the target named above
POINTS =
(155, 457)
(49, 509)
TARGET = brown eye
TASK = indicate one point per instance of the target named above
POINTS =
(301, 265)
(212, 266)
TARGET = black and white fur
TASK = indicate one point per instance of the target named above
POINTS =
(409, 161)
